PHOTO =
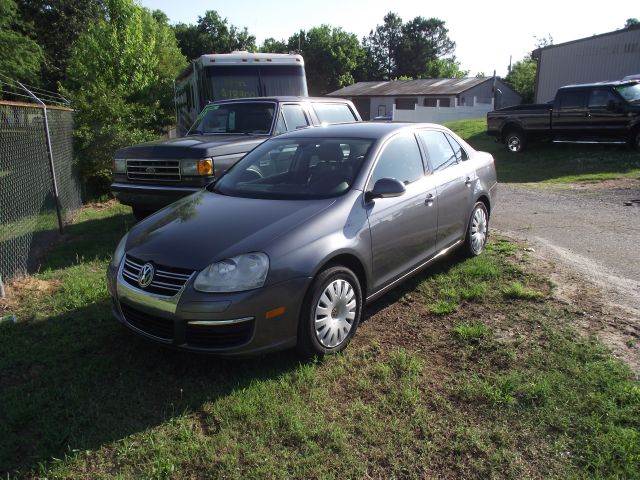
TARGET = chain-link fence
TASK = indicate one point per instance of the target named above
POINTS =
(30, 214)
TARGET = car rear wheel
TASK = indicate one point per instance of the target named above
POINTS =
(331, 312)
(477, 230)
(515, 141)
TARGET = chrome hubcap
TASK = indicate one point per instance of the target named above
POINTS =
(335, 313)
(478, 230)
(514, 144)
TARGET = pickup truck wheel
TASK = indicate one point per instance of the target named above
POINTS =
(636, 141)
(514, 141)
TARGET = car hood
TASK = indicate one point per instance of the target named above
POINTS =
(194, 146)
(207, 227)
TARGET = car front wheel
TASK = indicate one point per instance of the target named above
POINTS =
(331, 312)
(515, 141)
(477, 230)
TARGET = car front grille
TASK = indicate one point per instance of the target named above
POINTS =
(166, 282)
(156, 170)
(158, 327)
(219, 336)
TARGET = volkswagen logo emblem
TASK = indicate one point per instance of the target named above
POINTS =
(145, 277)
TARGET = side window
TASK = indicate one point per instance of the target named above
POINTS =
(572, 100)
(333, 112)
(400, 159)
(280, 126)
(461, 155)
(295, 117)
(600, 98)
(441, 155)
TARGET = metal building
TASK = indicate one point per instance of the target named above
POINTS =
(373, 99)
(610, 56)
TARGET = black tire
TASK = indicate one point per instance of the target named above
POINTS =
(477, 231)
(515, 141)
(141, 213)
(311, 341)
(634, 141)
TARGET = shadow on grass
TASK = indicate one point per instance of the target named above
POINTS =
(81, 380)
(559, 162)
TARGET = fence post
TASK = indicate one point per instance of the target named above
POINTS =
(2, 293)
(49, 155)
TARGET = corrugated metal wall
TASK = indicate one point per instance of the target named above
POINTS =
(607, 57)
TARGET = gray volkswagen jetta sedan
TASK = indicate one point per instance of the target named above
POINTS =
(286, 247)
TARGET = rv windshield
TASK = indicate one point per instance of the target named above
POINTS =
(239, 81)
(240, 117)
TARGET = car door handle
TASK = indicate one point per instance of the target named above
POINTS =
(467, 182)
(429, 200)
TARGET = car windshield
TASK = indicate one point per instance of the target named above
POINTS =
(297, 168)
(631, 93)
(240, 118)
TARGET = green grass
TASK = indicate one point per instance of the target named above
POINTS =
(492, 388)
(470, 332)
(552, 163)
(518, 291)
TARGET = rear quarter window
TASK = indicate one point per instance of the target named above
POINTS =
(334, 112)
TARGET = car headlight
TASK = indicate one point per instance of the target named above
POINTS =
(119, 253)
(236, 274)
(119, 165)
(197, 167)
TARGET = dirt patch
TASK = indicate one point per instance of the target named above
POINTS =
(614, 184)
(24, 290)
(602, 310)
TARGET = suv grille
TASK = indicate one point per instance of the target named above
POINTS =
(163, 170)
(156, 326)
(167, 281)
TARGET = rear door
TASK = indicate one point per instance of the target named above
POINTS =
(454, 177)
(570, 115)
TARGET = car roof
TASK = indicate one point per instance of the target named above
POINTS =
(616, 83)
(359, 129)
(283, 98)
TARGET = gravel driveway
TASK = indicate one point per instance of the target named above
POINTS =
(587, 227)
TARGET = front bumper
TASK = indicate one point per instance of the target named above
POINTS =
(225, 324)
(150, 196)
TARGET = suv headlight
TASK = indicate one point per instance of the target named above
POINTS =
(197, 167)
(236, 274)
(119, 253)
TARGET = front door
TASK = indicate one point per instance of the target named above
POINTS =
(403, 229)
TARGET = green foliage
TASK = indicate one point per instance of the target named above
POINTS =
(470, 332)
(331, 57)
(55, 26)
(212, 34)
(631, 22)
(121, 76)
(271, 45)
(21, 57)
(522, 78)
(517, 290)
(413, 49)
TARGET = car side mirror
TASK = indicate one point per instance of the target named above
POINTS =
(385, 188)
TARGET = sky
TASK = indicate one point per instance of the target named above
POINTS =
(486, 33)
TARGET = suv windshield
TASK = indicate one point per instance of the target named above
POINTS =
(300, 168)
(631, 93)
(243, 118)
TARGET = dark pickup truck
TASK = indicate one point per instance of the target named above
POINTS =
(152, 175)
(607, 112)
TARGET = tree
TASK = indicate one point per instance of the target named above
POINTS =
(522, 78)
(423, 42)
(331, 57)
(121, 74)
(22, 57)
(415, 49)
(55, 25)
(271, 45)
(212, 34)
(631, 22)
(381, 46)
